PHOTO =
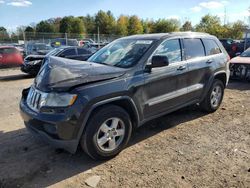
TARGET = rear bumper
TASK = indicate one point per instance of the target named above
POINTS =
(33, 70)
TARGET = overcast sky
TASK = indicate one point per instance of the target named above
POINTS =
(14, 13)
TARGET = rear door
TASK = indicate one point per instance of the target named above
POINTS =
(162, 90)
(198, 65)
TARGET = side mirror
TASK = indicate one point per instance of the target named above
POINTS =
(158, 61)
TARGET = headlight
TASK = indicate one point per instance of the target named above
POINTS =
(35, 62)
(58, 100)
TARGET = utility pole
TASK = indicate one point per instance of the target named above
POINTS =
(66, 39)
(225, 15)
(98, 37)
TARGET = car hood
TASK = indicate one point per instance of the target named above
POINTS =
(42, 52)
(62, 74)
(240, 60)
(29, 60)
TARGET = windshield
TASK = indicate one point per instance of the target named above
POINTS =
(123, 53)
(246, 53)
(42, 47)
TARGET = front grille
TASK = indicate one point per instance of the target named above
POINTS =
(34, 99)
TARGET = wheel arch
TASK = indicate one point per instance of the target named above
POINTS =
(220, 75)
(124, 102)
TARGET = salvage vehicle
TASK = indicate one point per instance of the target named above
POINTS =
(59, 42)
(37, 49)
(99, 103)
(10, 56)
(240, 66)
(33, 63)
(232, 47)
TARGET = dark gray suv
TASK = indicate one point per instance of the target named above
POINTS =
(98, 103)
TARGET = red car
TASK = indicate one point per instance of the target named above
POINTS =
(10, 56)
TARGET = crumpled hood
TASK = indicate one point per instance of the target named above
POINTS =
(42, 52)
(31, 58)
(240, 60)
(61, 74)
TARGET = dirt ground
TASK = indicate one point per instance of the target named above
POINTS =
(187, 148)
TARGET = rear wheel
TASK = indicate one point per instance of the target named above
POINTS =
(107, 133)
(214, 97)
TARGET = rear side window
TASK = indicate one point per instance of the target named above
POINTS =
(69, 52)
(193, 48)
(211, 47)
(7, 50)
(82, 51)
(171, 49)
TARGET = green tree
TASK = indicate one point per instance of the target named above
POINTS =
(122, 25)
(56, 23)
(187, 26)
(3, 33)
(105, 21)
(135, 26)
(236, 30)
(212, 25)
(3, 30)
(45, 27)
(147, 26)
(77, 26)
(65, 24)
(29, 29)
(89, 22)
(70, 24)
(166, 26)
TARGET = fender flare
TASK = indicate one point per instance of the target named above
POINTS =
(210, 82)
(103, 102)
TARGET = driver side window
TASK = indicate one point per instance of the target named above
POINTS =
(171, 49)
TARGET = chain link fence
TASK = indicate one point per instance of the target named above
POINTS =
(47, 38)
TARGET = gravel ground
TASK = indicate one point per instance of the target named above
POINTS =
(187, 148)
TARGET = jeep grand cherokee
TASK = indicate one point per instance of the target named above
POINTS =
(98, 103)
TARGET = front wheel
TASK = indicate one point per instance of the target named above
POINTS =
(107, 133)
(214, 97)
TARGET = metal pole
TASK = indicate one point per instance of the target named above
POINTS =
(98, 37)
(24, 41)
(66, 39)
(245, 45)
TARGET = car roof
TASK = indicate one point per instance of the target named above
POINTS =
(158, 36)
(1, 47)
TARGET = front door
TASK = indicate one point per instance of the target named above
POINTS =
(162, 90)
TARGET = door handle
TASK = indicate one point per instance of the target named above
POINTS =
(182, 67)
(209, 61)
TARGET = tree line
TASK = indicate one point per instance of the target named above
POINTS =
(128, 25)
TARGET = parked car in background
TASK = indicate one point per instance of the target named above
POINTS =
(240, 66)
(97, 104)
(10, 56)
(32, 63)
(85, 41)
(232, 47)
(21, 48)
(37, 49)
(55, 43)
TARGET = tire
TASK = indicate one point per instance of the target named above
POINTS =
(100, 134)
(209, 104)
